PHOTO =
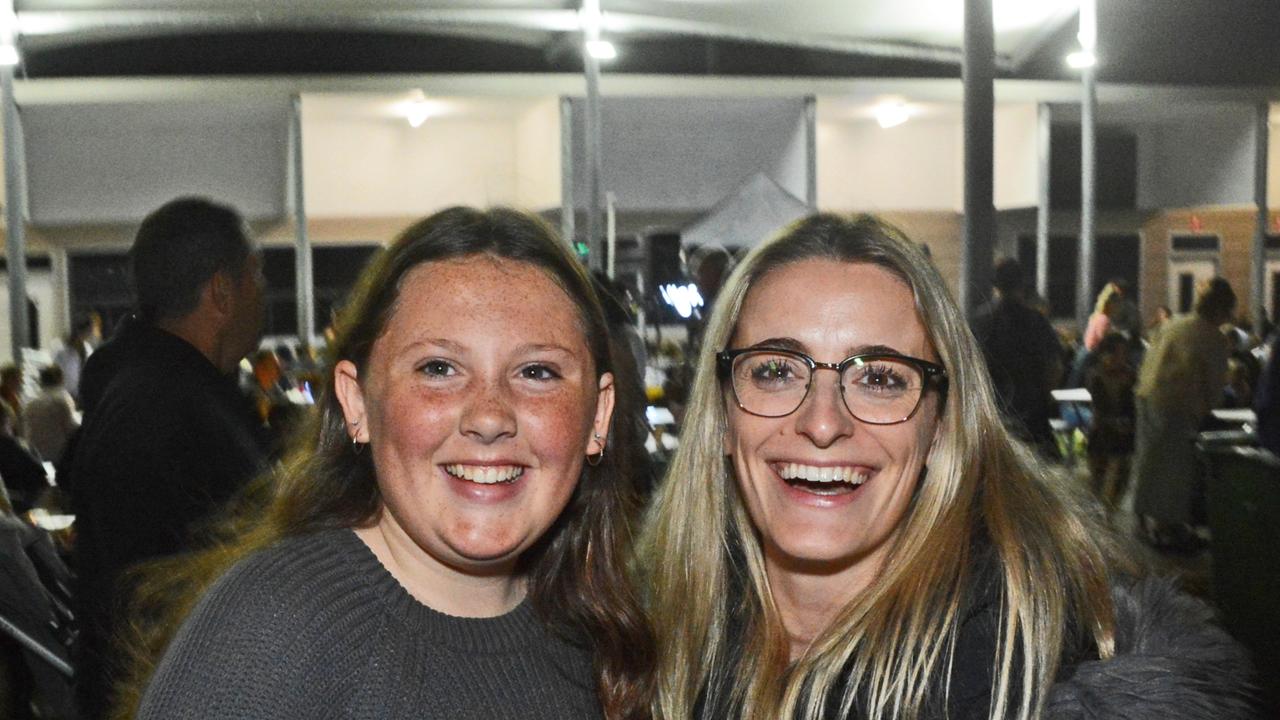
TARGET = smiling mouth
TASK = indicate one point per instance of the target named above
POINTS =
(485, 474)
(822, 480)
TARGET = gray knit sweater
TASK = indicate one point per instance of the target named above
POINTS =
(315, 627)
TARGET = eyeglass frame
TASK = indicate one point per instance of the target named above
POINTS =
(932, 373)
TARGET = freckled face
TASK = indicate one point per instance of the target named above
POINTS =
(479, 402)
(830, 310)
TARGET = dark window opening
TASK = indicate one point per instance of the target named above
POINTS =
(1114, 257)
(1116, 178)
(1186, 292)
(100, 283)
(1275, 296)
(1194, 243)
(334, 271)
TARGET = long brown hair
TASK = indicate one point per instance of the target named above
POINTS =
(577, 575)
(721, 638)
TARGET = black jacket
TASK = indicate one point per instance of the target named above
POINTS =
(1020, 347)
(1172, 662)
(163, 449)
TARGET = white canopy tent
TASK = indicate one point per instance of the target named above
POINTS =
(752, 213)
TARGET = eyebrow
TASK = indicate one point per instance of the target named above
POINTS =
(543, 347)
(438, 342)
(458, 348)
(786, 343)
(782, 343)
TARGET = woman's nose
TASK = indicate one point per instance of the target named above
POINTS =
(488, 416)
(823, 417)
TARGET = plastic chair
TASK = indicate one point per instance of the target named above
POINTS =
(34, 615)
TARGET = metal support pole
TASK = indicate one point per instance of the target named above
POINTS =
(593, 165)
(589, 15)
(60, 269)
(567, 208)
(1043, 150)
(1259, 269)
(1088, 163)
(15, 204)
(978, 73)
(811, 151)
(610, 233)
(304, 283)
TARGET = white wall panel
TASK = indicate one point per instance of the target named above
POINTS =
(914, 166)
(382, 166)
(1189, 164)
(538, 156)
(40, 291)
(116, 163)
(1016, 165)
(686, 154)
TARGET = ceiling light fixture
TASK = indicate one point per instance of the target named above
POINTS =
(1082, 59)
(601, 49)
(418, 112)
(892, 114)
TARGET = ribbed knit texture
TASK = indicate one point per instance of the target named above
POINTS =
(315, 627)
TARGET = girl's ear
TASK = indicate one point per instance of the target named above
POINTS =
(604, 414)
(346, 385)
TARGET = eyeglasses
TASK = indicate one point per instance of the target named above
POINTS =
(878, 388)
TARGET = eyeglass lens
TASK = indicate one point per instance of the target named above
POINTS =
(876, 389)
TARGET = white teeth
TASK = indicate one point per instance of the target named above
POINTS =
(485, 474)
(824, 473)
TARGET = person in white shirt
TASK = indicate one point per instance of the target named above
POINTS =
(50, 418)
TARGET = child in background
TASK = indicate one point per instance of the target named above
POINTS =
(1110, 382)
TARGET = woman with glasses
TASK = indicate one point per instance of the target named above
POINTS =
(848, 531)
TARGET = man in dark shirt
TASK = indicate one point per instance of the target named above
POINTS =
(1023, 356)
(168, 439)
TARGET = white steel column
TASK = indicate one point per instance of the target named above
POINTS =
(60, 269)
(1088, 162)
(591, 123)
(1043, 150)
(304, 283)
(15, 195)
(567, 207)
(811, 151)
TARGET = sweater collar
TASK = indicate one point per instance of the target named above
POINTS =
(504, 633)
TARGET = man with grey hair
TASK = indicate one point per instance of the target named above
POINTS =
(167, 438)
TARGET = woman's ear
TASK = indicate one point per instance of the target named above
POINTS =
(604, 413)
(346, 385)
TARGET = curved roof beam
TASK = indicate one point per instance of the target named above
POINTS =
(48, 27)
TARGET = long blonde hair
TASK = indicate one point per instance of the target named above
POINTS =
(1109, 293)
(704, 565)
